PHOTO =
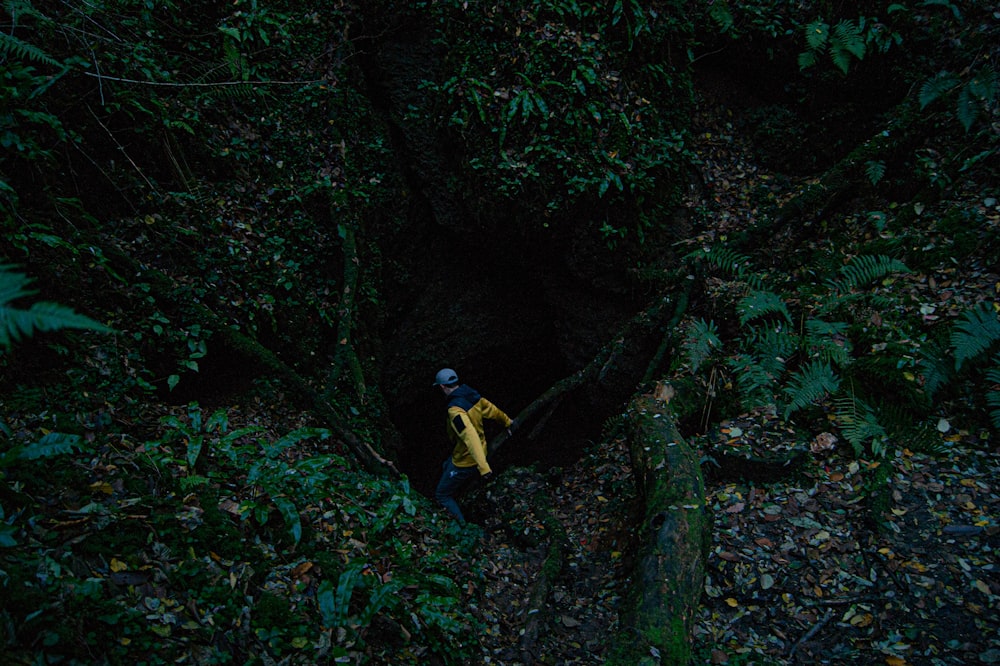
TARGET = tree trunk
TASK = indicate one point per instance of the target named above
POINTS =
(672, 540)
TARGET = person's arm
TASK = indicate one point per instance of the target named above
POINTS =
(494, 413)
(463, 427)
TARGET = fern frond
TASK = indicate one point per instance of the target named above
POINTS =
(25, 51)
(975, 333)
(817, 33)
(938, 371)
(937, 87)
(16, 324)
(760, 304)
(730, 261)
(809, 385)
(865, 269)
(719, 11)
(859, 424)
(828, 342)
(699, 341)
(771, 347)
(755, 382)
(993, 394)
(875, 170)
(847, 36)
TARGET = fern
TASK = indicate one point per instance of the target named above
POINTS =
(859, 424)
(10, 45)
(719, 11)
(817, 34)
(847, 41)
(730, 261)
(993, 394)
(16, 324)
(828, 342)
(699, 342)
(755, 382)
(975, 333)
(863, 270)
(760, 304)
(771, 347)
(875, 170)
(974, 96)
(937, 369)
(810, 385)
(936, 88)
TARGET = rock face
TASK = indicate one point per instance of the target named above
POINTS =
(509, 305)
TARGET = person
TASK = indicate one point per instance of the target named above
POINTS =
(466, 411)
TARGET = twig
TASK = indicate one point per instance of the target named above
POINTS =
(812, 632)
(122, 149)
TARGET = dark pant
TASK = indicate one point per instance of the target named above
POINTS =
(452, 479)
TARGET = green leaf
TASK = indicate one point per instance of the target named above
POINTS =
(52, 444)
(935, 88)
(701, 338)
(976, 331)
(291, 515)
(334, 603)
(760, 304)
(807, 386)
(875, 170)
(817, 34)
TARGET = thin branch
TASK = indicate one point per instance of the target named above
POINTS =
(167, 84)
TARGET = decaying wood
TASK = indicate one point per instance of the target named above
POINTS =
(903, 130)
(555, 557)
(672, 540)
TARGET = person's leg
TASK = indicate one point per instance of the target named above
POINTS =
(452, 478)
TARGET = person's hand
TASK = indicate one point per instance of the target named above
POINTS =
(487, 477)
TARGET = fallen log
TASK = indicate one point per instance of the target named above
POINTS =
(672, 540)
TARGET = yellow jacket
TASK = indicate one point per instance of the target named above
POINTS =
(466, 411)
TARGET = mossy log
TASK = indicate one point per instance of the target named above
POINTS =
(903, 131)
(672, 540)
(553, 565)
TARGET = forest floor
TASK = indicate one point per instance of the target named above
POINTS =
(847, 561)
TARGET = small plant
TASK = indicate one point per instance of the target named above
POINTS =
(19, 323)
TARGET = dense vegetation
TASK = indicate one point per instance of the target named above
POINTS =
(204, 214)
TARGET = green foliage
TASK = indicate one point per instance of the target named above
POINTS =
(993, 392)
(862, 270)
(846, 42)
(814, 382)
(17, 323)
(760, 304)
(875, 171)
(975, 333)
(556, 106)
(756, 381)
(51, 444)
(730, 261)
(700, 340)
(973, 97)
(859, 424)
